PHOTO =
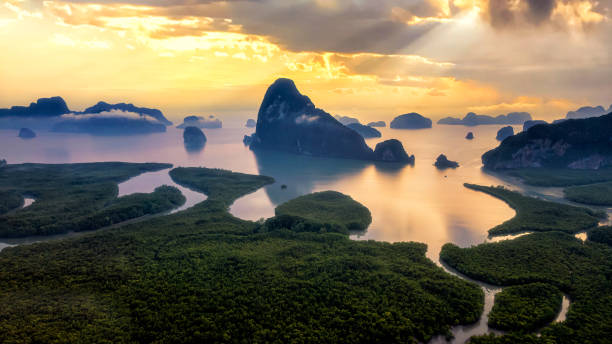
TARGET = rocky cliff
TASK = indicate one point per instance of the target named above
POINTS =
(504, 133)
(576, 143)
(288, 121)
(193, 138)
(392, 151)
(443, 163)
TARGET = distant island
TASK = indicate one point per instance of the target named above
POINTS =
(392, 151)
(194, 139)
(26, 133)
(346, 120)
(101, 107)
(43, 107)
(411, 120)
(469, 136)
(100, 119)
(574, 144)
(529, 124)
(377, 124)
(588, 111)
(250, 123)
(504, 133)
(364, 130)
(443, 163)
(472, 119)
(288, 121)
(210, 122)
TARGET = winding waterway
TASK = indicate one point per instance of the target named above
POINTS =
(143, 183)
(408, 203)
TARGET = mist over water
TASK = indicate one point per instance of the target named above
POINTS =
(408, 203)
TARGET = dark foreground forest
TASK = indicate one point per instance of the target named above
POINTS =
(204, 276)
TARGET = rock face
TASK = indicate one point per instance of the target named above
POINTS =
(288, 121)
(143, 111)
(392, 151)
(472, 119)
(365, 131)
(504, 133)
(410, 121)
(378, 124)
(250, 123)
(443, 163)
(576, 144)
(194, 138)
(469, 136)
(44, 107)
(26, 133)
(210, 122)
(588, 111)
(529, 124)
(346, 120)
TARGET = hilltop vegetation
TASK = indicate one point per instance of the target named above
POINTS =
(525, 307)
(561, 176)
(202, 275)
(595, 194)
(164, 198)
(593, 187)
(9, 200)
(329, 207)
(534, 215)
(581, 270)
(601, 235)
(67, 194)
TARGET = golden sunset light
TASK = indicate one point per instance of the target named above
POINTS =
(306, 171)
(373, 60)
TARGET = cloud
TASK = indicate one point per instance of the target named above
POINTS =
(109, 114)
(305, 119)
(558, 13)
(150, 21)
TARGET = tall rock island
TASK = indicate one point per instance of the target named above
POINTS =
(288, 121)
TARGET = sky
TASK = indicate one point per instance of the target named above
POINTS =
(373, 59)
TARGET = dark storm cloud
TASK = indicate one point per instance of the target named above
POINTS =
(308, 28)
(506, 13)
(540, 10)
(347, 26)
(326, 25)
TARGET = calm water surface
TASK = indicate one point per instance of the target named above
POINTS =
(408, 203)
